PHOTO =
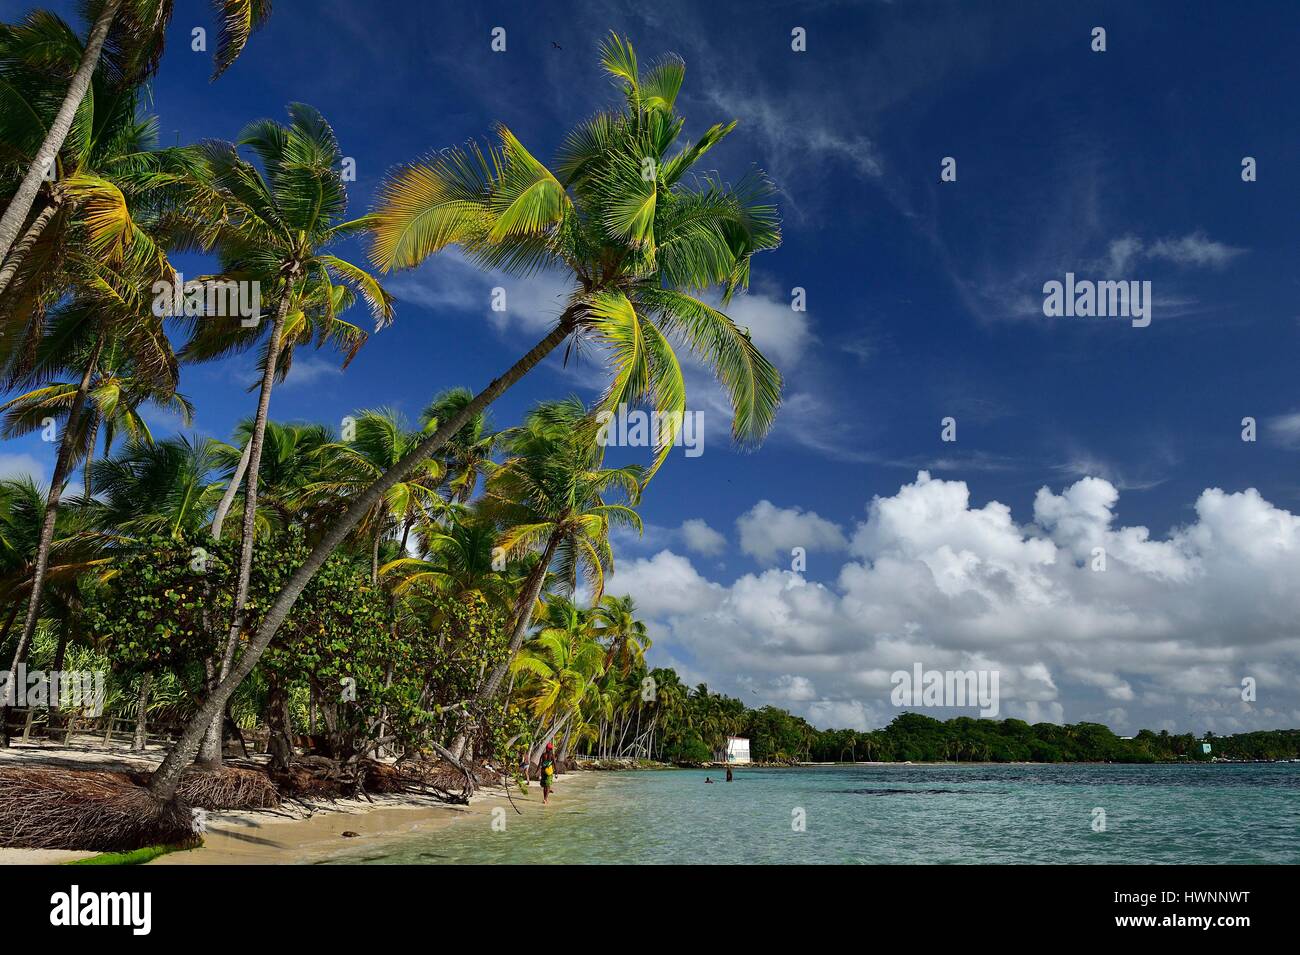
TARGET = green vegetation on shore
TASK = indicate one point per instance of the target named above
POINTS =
(777, 736)
(134, 857)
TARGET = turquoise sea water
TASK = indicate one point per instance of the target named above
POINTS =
(1214, 813)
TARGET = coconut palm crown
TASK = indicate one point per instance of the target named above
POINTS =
(641, 235)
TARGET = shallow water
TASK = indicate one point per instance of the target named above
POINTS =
(1214, 813)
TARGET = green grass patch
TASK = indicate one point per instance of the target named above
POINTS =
(134, 857)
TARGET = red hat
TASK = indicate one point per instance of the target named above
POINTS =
(550, 746)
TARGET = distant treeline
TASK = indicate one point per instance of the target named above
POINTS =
(776, 735)
(918, 738)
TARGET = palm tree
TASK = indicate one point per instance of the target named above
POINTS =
(624, 636)
(112, 406)
(108, 314)
(457, 561)
(290, 462)
(668, 701)
(468, 455)
(129, 35)
(73, 549)
(316, 316)
(22, 512)
(274, 225)
(635, 250)
(107, 165)
(564, 662)
(380, 441)
(550, 497)
(157, 488)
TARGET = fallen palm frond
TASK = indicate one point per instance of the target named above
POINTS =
(53, 808)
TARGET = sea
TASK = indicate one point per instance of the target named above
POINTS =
(1241, 813)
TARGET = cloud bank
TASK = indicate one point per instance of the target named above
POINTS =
(1084, 618)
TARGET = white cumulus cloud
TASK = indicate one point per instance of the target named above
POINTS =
(768, 531)
(1169, 629)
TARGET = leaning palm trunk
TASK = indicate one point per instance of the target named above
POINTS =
(62, 466)
(564, 745)
(210, 755)
(228, 497)
(11, 224)
(523, 619)
(166, 778)
(28, 242)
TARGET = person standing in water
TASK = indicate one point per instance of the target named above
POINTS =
(728, 774)
(548, 772)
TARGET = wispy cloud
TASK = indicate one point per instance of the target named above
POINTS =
(1285, 429)
(1194, 250)
(449, 284)
(23, 465)
(311, 371)
(1082, 464)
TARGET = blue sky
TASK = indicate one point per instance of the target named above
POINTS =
(924, 302)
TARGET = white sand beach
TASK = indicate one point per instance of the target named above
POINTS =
(293, 833)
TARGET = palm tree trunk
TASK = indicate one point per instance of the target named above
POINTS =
(279, 732)
(523, 619)
(228, 498)
(90, 458)
(564, 744)
(374, 557)
(20, 205)
(210, 755)
(166, 778)
(142, 713)
(62, 465)
(27, 242)
(550, 735)
(60, 654)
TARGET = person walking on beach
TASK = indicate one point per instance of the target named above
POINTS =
(548, 772)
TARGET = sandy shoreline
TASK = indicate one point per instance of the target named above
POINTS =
(275, 838)
(293, 834)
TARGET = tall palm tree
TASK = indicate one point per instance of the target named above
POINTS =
(108, 313)
(564, 662)
(316, 316)
(112, 406)
(272, 225)
(549, 495)
(128, 34)
(107, 165)
(290, 462)
(668, 702)
(625, 637)
(457, 561)
(73, 549)
(635, 249)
